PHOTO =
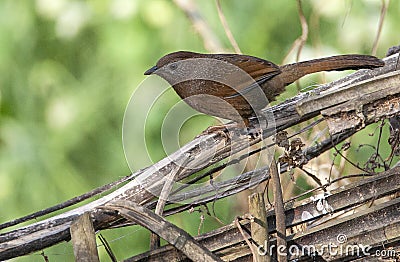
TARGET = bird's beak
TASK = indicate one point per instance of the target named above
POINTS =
(151, 70)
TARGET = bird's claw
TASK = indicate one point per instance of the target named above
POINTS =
(254, 132)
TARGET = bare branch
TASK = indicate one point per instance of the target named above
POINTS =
(168, 231)
(226, 241)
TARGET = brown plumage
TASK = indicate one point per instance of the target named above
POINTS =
(237, 87)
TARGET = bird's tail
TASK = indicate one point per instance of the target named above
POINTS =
(333, 63)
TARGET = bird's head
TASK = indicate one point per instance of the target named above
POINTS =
(170, 62)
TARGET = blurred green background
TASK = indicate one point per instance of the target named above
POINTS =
(68, 69)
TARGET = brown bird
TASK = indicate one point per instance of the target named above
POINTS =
(237, 87)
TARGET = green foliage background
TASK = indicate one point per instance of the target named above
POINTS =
(68, 69)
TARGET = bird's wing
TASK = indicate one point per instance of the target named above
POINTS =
(258, 69)
(253, 85)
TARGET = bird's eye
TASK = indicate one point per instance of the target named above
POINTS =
(173, 66)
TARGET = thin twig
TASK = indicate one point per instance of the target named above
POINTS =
(107, 248)
(210, 39)
(315, 38)
(303, 37)
(348, 10)
(67, 203)
(304, 29)
(378, 143)
(239, 226)
(213, 215)
(228, 31)
(314, 177)
(300, 41)
(349, 161)
(324, 186)
(380, 25)
(46, 258)
(201, 224)
(162, 200)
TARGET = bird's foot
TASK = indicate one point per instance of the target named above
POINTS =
(228, 131)
(254, 132)
(231, 131)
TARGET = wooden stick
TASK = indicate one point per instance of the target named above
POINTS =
(259, 228)
(279, 214)
(84, 239)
